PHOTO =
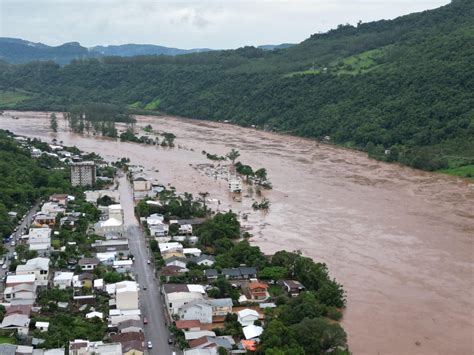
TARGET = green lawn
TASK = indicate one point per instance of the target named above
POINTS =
(462, 171)
(9, 98)
(7, 340)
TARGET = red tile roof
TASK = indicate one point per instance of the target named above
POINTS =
(186, 324)
(254, 285)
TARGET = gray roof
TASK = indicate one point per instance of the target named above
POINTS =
(16, 320)
(248, 270)
(130, 323)
(202, 257)
(210, 273)
(7, 349)
(174, 258)
(221, 302)
(231, 272)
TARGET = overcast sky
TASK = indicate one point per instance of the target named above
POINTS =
(190, 24)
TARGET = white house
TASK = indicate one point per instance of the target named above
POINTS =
(111, 225)
(126, 295)
(247, 316)
(88, 264)
(22, 293)
(159, 230)
(186, 229)
(63, 279)
(116, 211)
(52, 208)
(39, 239)
(235, 185)
(21, 322)
(43, 326)
(252, 331)
(195, 334)
(155, 218)
(119, 315)
(177, 295)
(192, 251)
(37, 266)
(196, 310)
(13, 280)
(122, 265)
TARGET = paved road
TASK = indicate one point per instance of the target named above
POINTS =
(151, 305)
(21, 229)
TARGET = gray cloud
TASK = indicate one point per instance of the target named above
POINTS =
(190, 23)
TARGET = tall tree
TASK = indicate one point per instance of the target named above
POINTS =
(233, 155)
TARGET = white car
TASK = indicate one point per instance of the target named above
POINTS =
(149, 345)
(4, 266)
(13, 243)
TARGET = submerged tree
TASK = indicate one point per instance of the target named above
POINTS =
(233, 155)
(53, 122)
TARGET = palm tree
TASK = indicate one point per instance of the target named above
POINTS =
(233, 155)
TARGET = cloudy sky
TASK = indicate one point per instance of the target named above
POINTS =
(190, 23)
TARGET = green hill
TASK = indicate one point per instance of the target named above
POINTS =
(403, 90)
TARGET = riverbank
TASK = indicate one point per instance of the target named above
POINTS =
(398, 239)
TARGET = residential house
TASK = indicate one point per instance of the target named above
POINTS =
(221, 306)
(116, 211)
(252, 331)
(196, 310)
(203, 260)
(62, 280)
(111, 225)
(155, 219)
(177, 295)
(248, 272)
(20, 294)
(85, 347)
(141, 184)
(126, 295)
(185, 229)
(52, 209)
(123, 265)
(42, 219)
(256, 291)
(87, 264)
(192, 251)
(188, 324)
(38, 267)
(176, 261)
(247, 316)
(132, 343)
(293, 287)
(206, 342)
(172, 252)
(39, 239)
(169, 246)
(112, 245)
(61, 199)
(130, 325)
(211, 274)
(160, 232)
(192, 335)
(42, 326)
(13, 280)
(20, 322)
(235, 185)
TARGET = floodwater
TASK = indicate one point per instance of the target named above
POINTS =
(399, 240)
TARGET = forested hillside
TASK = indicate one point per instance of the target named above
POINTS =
(403, 90)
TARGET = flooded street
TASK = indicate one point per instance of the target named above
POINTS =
(399, 240)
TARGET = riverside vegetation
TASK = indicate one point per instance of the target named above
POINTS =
(402, 90)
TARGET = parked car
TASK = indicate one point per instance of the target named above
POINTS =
(13, 243)
(145, 321)
(149, 345)
(170, 341)
(149, 262)
(4, 266)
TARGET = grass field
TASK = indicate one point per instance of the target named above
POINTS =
(7, 340)
(9, 98)
(353, 65)
(153, 105)
(463, 171)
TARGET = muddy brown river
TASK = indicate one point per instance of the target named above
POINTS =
(399, 240)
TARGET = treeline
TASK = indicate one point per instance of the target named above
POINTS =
(98, 118)
(414, 104)
(23, 180)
